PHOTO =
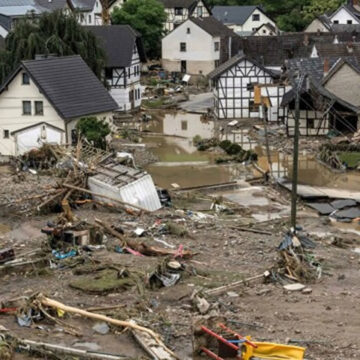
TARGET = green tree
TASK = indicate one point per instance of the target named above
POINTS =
(148, 18)
(319, 7)
(94, 130)
(51, 33)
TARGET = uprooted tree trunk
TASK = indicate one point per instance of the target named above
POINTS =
(44, 301)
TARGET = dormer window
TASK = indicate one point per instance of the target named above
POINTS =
(256, 17)
(25, 79)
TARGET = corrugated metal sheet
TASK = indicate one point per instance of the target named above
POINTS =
(126, 184)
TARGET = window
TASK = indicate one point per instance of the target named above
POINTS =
(253, 107)
(264, 31)
(6, 134)
(336, 21)
(256, 17)
(311, 123)
(25, 79)
(26, 107)
(217, 63)
(183, 47)
(89, 19)
(108, 73)
(139, 94)
(217, 46)
(39, 108)
(129, 72)
(188, 30)
(349, 22)
(178, 11)
(250, 86)
(200, 11)
(184, 125)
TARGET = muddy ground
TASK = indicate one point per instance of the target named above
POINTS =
(326, 320)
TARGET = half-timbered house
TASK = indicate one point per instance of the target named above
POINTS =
(43, 99)
(124, 56)
(233, 85)
(327, 101)
(178, 11)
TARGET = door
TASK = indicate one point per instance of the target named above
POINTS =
(183, 66)
(132, 99)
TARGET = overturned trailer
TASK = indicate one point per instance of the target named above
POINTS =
(126, 184)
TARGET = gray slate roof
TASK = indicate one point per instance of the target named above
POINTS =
(212, 26)
(5, 22)
(83, 5)
(233, 14)
(170, 4)
(233, 61)
(53, 4)
(118, 41)
(69, 85)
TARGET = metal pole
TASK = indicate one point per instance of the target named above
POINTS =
(295, 157)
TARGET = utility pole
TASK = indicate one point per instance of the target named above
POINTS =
(297, 89)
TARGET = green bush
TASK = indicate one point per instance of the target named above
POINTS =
(225, 144)
(234, 149)
(94, 130)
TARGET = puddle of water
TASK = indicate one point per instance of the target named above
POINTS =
(249, 196)
(311, 172)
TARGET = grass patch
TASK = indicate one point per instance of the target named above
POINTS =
(351, 159)
(153, 104)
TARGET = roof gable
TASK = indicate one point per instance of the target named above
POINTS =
(346, 8)
(69, 85)
(212, 26)
(337, 66)
(234, 61)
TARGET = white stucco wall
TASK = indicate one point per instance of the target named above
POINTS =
(3, 32)
(342, 16)
(315, 26)
(95, 15)
(11, 117)
(200, 46)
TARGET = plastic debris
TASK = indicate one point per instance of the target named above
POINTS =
(60, 256)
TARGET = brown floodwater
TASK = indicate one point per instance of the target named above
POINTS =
(181, 163)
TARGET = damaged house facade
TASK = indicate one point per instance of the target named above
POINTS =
(178, 11)
(328, 96)
(43, 99)
(124, 57)
(197, 46)
(233, 85)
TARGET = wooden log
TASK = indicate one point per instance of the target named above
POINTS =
(233, 285)
(73, 310)
(142, 248)
(124, 203)
(59, 349)
(255, 231)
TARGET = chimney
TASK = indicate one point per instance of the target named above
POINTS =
(326, 66)
(306, 39)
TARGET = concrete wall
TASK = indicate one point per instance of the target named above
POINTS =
(11, 112)
(345, 84)
(342, 16)
(200, 51)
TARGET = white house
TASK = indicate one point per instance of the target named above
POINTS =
(178, 11)
(347, 14)
(233, 85)
(124, 55)
(197, 46)
(89, 11)
(43, 99)
(244, 20)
